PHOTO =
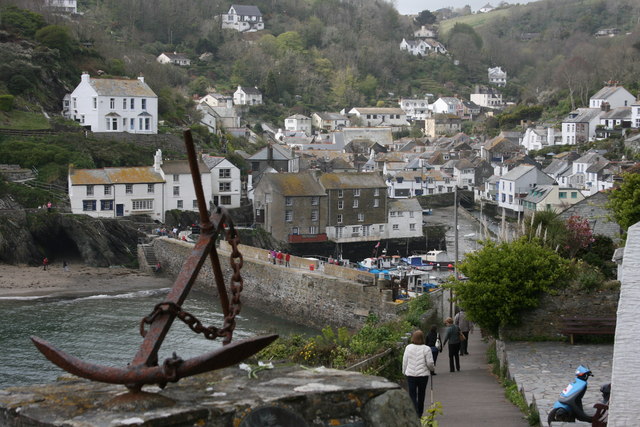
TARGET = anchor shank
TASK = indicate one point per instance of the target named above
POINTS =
(148, 351)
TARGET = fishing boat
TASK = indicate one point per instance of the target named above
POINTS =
(417, 262)
(417, 281)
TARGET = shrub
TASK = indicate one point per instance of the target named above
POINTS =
(6, 102)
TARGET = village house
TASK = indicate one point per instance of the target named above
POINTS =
(515, 185)
(635, 115)
(113, 105)
(141, 190)
(272, 158)
(615, 96)
(405, 184)
(226, 181)
(464, 173)
(64, 6)
(579, 126)
(469, 110)
(499, 149)
(552, 198)
(447, 105)
(591, 174)
(298, 123)
(373, 117)
(247, 96)
(425, 33)
(497, 77)
(243, 18)
(487, 97)
(329, 121)
(415, 109)
(174, 58)
(218, 112)
(357, 206)
(442, 124)
(536, 138)
(594, 208)
(405, 219)
(292, 207)
(415, 47)
(486, 8)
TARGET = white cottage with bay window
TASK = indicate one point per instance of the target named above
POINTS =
(114, 105)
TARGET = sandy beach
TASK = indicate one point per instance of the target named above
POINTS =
(28, 281)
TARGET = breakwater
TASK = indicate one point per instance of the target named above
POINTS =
(304, 293)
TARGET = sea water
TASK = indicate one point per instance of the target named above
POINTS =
(104, 329)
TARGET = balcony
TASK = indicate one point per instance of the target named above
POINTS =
(307, 238)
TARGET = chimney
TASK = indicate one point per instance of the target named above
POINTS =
(85, 77)
(157, 160)
(141, 78)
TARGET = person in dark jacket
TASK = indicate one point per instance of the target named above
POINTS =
(452, 336)
(431, 340)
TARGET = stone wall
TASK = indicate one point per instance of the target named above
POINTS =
(545, 321)
(298, 294)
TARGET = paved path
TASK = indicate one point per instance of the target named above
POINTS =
(472, 397)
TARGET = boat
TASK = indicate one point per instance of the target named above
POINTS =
(417, 262)
(379, 263)
(417, 281)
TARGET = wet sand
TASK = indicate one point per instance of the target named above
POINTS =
(27, 281)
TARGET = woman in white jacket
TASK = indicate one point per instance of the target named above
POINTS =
(417, 364)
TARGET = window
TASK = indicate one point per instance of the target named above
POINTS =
(288, 216)
(145, 123)
(563, 194)
(313, 230)
(112, 103)
(107, 190)
(132, 124)
(225, 200)
(255, 166)
(288, 201)
(224, 186)
(381, 228)
(128, 188)
(112, 123)
(355, 229)
(411, 214)
(88, 205)
(412, 227)
(295, 230)
(356, 192)
(361, 217)
(142, 205)
(179, 204)
(376, 203)
(81, 118)
(574, 195)
(176, 190)
(176, 177)
(95, 102)
(124, 103)
(340, 204)
(339, 218)
(396, 226)
(376, 192)
(340, 193)
(315, 201)
(314, 215)
(133, 103)
(143, 103)
(224, 173)
(355, 203)
(194, 204)
(75, 103)
(89, 190)
(106, 205)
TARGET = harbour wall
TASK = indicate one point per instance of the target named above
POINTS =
(304, 292)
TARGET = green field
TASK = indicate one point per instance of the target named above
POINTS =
(23, 120)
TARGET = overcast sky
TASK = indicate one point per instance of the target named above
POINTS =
(408, 7)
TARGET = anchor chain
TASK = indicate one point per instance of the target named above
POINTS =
(236, 285)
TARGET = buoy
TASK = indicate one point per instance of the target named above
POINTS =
(450, 265)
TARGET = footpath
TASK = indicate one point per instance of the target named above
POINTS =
(474, 397)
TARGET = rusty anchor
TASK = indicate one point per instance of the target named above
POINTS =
(144, 368)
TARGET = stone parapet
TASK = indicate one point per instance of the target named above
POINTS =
(228, 397)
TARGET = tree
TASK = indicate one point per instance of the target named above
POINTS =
(579, 235)
(506, 279)
(56, 37)
(625, 201)
(425, 18)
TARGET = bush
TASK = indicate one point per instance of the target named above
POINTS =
(589, 278)
(6, 102)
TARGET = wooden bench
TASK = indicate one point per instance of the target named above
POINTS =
(588, 326)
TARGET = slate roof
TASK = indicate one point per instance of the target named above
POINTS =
(246, 10)
(176, 56)
(250, 90)
(380, 110)
(212, 161)
(556, 167)
(121, 87)
(583, 115)
(127, 175)
(279, 153)
(348, 180)
(606, 92)
(517, 172)
(294, 184)
(539, 193)
(464, 164)
(620, 113)
(404, 205)
(172, 167)
(331, 116)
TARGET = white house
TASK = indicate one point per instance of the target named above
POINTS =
(174, 58)
(515, 185)
(243, 18)
(371, 117)
(247, 96)
(66, 6)
(415, 109)
(298, 122)
(114, 105)
(635, 115)
(425, 33)
(590, 173)
(536, 138)
(415, 47)
(179, 192)
(551, 198)
(447, 105)
(487, 98)
(464, 173)
(486, 8)
(497, 76)
(217, 100)
(226, 183)
(615, 96)
(580, 126)
(329, 121)
(405, 218)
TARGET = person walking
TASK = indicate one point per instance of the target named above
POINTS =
(434, 342)
(273, 256)
(45, 263)
(49, 206)
(287, 258)
(279, 255)
(452, 336)
(466, 326)
(65, 266)
(417, 364)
